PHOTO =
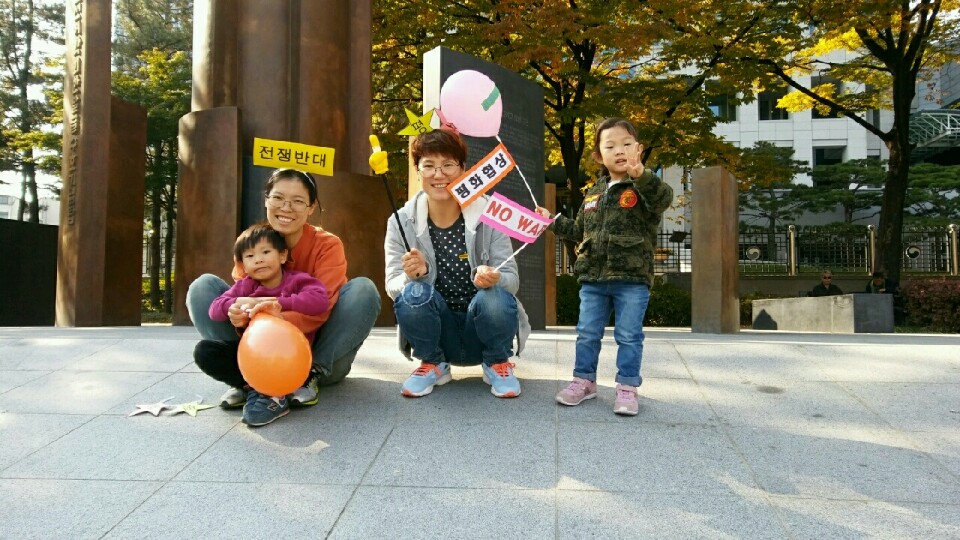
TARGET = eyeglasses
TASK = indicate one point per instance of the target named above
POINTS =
(448, 169)
(276, 201)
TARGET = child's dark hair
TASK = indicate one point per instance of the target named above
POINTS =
(293, 174)
(252, 236)
(604, 125)
(440, 142)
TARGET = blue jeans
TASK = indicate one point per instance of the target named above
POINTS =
(484, 334)
(338, 340)
(596, 300)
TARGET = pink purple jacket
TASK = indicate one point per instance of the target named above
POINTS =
(298, 292)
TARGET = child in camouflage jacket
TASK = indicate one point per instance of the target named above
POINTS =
(616, 231)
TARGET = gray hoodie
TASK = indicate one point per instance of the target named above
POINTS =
(485, 246)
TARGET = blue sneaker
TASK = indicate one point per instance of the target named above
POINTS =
(501, 379)
(424, 378)
(260, 410)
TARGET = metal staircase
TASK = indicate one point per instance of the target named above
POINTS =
(934, 131)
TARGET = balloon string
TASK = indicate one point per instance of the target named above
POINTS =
(514, 254)
(530, 191)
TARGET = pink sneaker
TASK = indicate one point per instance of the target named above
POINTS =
(577, 391)
(626, 402)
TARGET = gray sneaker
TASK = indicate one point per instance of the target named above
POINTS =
(233, 398)
(308, 394)
(260, 410)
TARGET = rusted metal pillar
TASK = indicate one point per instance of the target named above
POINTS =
(98, 274)
(294, 71)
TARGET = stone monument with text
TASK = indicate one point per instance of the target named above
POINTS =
(521, 130)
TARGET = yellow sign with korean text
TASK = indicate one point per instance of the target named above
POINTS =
(290, 155)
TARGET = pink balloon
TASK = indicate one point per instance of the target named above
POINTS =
(471, 102)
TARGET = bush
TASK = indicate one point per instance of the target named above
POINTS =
(932, 303)
(669, 304)
(568, 300)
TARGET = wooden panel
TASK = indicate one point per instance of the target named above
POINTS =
(358, 215)
(716, 305)
(550, 259)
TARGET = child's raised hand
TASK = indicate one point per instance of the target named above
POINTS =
(634, 165)
(543, 212)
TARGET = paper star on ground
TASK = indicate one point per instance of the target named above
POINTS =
(153, 408)
(191, 408)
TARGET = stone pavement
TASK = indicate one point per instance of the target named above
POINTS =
(756, 435)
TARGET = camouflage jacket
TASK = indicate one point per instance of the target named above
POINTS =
(617, 229)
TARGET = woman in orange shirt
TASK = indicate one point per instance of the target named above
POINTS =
(291, 198)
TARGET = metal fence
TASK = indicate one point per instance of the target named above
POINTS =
(789, 251)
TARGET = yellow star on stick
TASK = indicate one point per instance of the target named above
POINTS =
(418, 125)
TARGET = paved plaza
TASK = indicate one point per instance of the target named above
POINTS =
(756, 435)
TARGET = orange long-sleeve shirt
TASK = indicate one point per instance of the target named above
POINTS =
(320, 254)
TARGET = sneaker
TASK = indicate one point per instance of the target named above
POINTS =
(260, 410)
(308, 394)
(577, 391)
(501, 379)
(626, 402)
(233, 398)
(424, 378)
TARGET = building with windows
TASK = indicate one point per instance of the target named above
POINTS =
(49, 209)
(823, 140)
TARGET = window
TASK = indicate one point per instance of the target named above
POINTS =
(4, 215)
(827, 156)
(818, 80)
(767, 103)
(6, 199)
(722, 108)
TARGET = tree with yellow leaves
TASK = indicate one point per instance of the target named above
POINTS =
(879, 50)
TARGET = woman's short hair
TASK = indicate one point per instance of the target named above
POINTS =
(439, 142)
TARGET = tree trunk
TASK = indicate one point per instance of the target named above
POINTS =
(30, 179)
(23, 199)
(772, 239)
(169, 214)
(890, 232)
(571, 165)
(155, 260)
(26, 120)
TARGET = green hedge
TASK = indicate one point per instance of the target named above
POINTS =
(932, 303)
(669, 305)
(568, 300)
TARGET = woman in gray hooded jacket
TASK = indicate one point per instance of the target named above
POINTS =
(452, 306)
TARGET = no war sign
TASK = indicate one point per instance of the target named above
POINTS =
(513, 219)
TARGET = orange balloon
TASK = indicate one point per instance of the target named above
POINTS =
(274, 355)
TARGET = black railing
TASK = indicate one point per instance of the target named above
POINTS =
(789, 251)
